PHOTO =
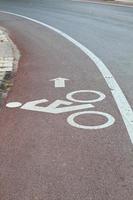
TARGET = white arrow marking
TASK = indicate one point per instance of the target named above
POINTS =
(59, 82)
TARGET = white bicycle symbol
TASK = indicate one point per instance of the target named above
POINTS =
(55, 108)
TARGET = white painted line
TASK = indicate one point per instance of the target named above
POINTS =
(59, 82)
(119, 97)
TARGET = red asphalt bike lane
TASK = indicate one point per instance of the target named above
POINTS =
(42, 155)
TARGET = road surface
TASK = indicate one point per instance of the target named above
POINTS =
(53, 149)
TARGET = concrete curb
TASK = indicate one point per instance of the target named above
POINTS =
(9, 58)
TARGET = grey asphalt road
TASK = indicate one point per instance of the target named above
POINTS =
(106, 30)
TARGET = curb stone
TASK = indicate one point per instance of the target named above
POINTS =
(9, 58)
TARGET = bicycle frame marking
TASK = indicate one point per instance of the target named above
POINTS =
(54, 107)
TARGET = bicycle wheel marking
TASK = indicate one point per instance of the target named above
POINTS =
(110, 120)
(71, 98)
